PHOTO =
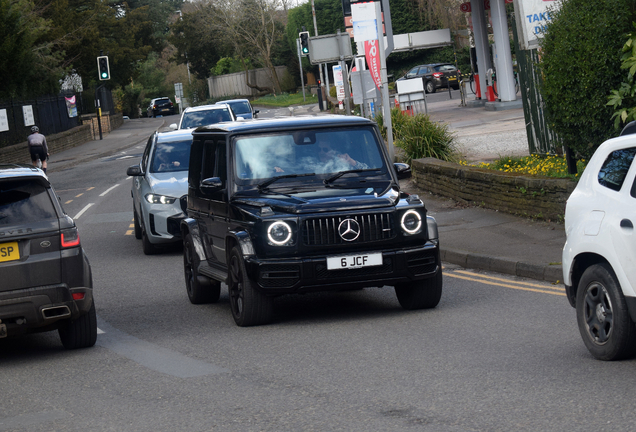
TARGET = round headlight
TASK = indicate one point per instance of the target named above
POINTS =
(279, 233)
(411, 222)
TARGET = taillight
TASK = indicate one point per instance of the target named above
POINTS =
(438, 74)
(78, 296)
(70, 238)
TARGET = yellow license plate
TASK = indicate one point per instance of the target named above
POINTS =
(453, 78)
(9, 251)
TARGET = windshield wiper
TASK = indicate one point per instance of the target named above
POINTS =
(341, 173)
(266, 183)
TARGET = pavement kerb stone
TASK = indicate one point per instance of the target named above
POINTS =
(552, 273)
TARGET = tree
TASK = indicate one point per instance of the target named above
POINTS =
(29, 65)
(581, 64)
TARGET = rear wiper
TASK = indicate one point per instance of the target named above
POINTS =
(341, 173)
(266, 183)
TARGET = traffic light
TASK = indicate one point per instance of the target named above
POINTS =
(304, 43)
(102, 68)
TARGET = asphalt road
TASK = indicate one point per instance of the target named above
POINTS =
(497, 354)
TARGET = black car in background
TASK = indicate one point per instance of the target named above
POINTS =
(160, 106)
(302, 204)
(435, 76)
(46, 281)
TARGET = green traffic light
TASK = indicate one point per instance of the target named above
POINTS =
(104, 75)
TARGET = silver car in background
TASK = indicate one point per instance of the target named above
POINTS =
(241, 107)
(160, 188)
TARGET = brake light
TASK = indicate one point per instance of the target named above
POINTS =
(70, 238)
(78, 296)
(438, 74)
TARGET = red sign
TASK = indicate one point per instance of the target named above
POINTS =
(372, 53)
(486, 4)
(465, 7)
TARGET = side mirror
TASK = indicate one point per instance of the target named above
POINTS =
(173, 126)
(256, 112)
(403, 170)
(134, 171)
(210, 185)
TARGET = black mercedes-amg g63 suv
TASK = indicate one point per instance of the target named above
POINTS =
(301, 204)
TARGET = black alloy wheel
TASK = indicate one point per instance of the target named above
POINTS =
(200, 290)
(602, 316)
(249, 306)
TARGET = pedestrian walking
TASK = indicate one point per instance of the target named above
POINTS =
(38, 147)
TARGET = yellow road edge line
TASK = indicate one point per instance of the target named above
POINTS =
(129, 232)
(68, 202)
(91, 188)
(77, 196)
(131, 226)
(504, 285)
(504, 280)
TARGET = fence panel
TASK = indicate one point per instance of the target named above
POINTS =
(541, 139)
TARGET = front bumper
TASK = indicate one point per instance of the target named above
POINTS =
(42, 308)
(282, 276)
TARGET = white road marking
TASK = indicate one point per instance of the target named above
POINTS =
(108, 190)
(83, 210)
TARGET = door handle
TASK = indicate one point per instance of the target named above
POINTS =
(626, 223)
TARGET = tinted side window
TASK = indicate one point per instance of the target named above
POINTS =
(612, 173)
(24, 201)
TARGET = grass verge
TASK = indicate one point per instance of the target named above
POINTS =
(285, 100)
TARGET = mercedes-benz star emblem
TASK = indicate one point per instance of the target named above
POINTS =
(349, 230)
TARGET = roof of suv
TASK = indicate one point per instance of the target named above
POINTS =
(20, 170)
(298, 122)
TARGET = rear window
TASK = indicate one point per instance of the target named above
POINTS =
(162, 102)
(171, 156)
(612, 173)
(194, 119)
(24, 201)
(240, 107)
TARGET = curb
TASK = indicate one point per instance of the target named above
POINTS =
(548, 273)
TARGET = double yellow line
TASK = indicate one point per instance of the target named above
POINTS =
(506, 283)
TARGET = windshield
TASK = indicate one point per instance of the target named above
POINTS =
(323, 152)
(240, 107)
(171, 156)
(192, 119)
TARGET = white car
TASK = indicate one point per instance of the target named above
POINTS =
(193, 117)
(160, 189)
(599, 257)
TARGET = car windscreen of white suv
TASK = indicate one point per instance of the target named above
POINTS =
(194, 117)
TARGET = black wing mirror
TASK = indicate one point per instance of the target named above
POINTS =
(134, 171)
(403, 170)
(210, 185)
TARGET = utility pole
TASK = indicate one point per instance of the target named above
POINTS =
(322, 83)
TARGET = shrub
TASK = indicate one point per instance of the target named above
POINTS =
(581, 65)
(623, 100)
(419, 137)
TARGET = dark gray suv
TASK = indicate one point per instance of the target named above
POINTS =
(46, 277)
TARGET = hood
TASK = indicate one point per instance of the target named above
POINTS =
(173, 184)
(318, 203)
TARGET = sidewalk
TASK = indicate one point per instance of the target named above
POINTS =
(471, 237)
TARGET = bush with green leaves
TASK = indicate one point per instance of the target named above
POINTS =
(420, 137)
(623, 100)
(581, 64)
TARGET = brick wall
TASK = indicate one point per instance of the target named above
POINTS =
(521, 194)
(19, 153)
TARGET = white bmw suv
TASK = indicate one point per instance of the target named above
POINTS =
(599, 257)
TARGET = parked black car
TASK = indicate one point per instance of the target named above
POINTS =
(293, 205)
(46, 277)
(160, 106)
(435, 76)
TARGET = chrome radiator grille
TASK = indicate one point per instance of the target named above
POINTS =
(324, 231)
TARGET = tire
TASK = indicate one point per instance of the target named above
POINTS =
(149, 248)
(249, 306)
(424, 294)
(81, 333)
(429, 87)
(136, 225)
(602, 316)
(200, 289)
